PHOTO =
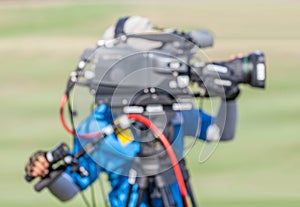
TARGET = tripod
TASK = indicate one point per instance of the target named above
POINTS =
(153, 174)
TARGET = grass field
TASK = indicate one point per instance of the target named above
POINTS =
(40, 45)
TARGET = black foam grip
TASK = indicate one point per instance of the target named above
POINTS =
(44, 182)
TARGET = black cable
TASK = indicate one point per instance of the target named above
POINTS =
(85, 200)
(71, 115)
(70, 86)
(91, 187)
(101, 137)
(191, 194)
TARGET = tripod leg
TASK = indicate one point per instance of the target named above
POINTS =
(165, 193)
(129, 195)
(131, 181)
(169, 197)
(164, 197)
(149, 198)
(140, 196)
(142, 185)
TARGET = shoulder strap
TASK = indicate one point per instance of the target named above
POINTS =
(119, 30)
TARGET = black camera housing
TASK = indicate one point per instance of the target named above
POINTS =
(157, 66)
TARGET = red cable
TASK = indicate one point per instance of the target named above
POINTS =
(63, 102)
(169, 150)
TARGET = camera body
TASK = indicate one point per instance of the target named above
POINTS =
(136, 72)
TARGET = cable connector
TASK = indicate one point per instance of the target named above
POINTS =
(122, 122)
(81, 65)
(107, 130)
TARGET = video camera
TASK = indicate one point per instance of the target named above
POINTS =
(148, 72)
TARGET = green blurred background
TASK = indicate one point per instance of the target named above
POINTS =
(40, 42)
